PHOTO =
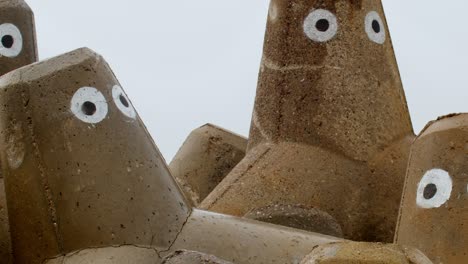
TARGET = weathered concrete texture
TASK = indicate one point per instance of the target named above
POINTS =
(110, 255)
(207, 156)
(327, 116)
(192, 257)
(85, 182)
(5, 241)
(17, 48)
(298, 216)
(80, 168)
(434, 211)
(306, 179)
(365, 253)
(391, 162)
(17, 35)
(244, 241)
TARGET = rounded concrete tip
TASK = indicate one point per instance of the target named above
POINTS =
(444, 123)
(49, 66)
(15, 4)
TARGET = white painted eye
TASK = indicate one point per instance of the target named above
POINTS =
(434, 189)
(11, 40)
(89, 105)
(320, 25)
(122, 102)
(375, 28)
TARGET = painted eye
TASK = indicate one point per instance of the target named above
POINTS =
(434, 189)
(375, 28)
(11, 40)
(122, 102)
(89, 105)
(320, 25)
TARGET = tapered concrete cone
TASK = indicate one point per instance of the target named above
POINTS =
(81, 171)
(17, 35)
(244, 241)
(206, 157)
(330, 126)
(17, 48)
(85, 183)
(435, 200)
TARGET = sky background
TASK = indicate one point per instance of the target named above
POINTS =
(185, 63)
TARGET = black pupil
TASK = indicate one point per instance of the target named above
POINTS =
(376, 26)
(430, 191)
(88, 108)
(123, 100)
(7, 41)
(322, 25)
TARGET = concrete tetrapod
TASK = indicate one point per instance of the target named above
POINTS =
(17, 35)
(85, 182)
(434, 211)
(81, 171)
(330, 127)
(245, 241)
(17, 48)
(206, 157)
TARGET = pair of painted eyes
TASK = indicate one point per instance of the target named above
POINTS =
(90, 106)
(11, 40)
(434, 189)
(321, 25)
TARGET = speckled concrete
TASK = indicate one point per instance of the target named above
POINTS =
(16, 13)
(86, 183)
(73, 183)
(244, 241)
(206, 157)
(434, 213)
(297, 216)
(330, 127)
(192, 257)
(110, 255)
(17, 48)
(365, 253)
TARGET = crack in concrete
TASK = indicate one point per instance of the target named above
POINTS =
(177, 235)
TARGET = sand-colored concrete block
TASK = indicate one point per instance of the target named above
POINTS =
(193, 257)
(330, 127)
(5, 241)
(17, 48)
(245, 241)
(17, 35)
(80, 168)
(299, 217)
(435, 199)
(206, 157)
(85, 183)
(365, 253)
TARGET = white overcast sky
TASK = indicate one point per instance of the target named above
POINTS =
(185, 63)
